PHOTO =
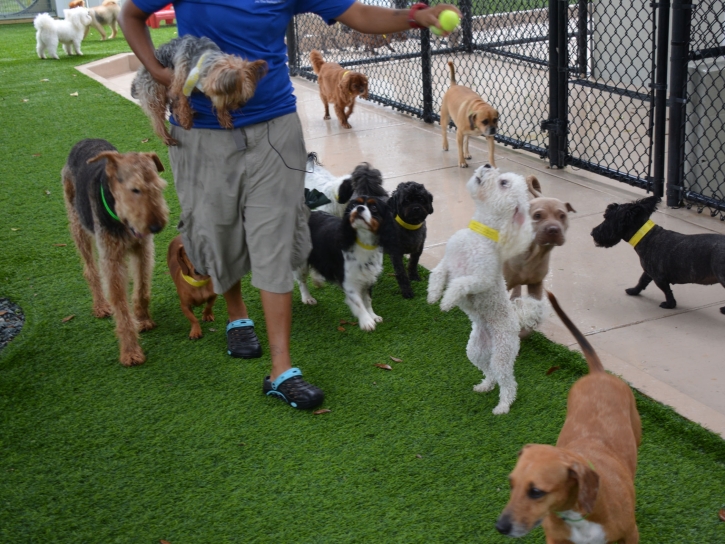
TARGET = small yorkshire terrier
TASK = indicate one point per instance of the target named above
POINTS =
(198, 63)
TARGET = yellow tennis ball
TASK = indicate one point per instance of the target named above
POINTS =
(449, 20)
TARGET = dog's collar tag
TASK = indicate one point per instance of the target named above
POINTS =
(193, 80)
(483, 230)
(195, 283)
(365, 246)
(405, 225)
(641, 233)
(105, 205)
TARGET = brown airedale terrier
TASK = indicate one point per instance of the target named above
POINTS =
(118, 200)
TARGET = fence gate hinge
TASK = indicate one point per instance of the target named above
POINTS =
(554, 126)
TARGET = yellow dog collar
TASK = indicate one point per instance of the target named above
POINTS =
(345, 73)
(483, 230)
(365, 246)
(194, 76)
(195, 283)
(641, 233)
(405, 225)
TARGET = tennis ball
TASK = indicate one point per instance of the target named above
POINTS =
(449, 21)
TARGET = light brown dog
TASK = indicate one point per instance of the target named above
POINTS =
(105, 14)
(550, 221)
(472, 117)
(582, 489)
(117, 200)
(339, 86)
(194, 289)
(76, 4)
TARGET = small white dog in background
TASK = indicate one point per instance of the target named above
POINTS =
(317, 177)
(471, 274)
(69, 32)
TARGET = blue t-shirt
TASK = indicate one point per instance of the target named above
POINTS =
(252, 29)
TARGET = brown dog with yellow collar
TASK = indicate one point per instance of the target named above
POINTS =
(472, 117)
(339, 86)
(194, 289)
(582, 489)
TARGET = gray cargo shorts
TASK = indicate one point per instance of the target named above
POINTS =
(242, 201)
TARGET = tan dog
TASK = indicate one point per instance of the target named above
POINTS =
(76, 4)
(194, 289)
(582, 488)
(472, 117)
(105, 14)
(339, 86)
(550, 221)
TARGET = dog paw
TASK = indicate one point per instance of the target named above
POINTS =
(414, 276)
(367, 324)
(195, 332)
(485, 386)
(146, 325)
(632, 291)
(464, 164)
(502, 408)
(207, 317)
(668, 305)
(326, 118)
(377, 318)
(468, 157)
(102, 310)
(407, 293)
(346, 125)
(132, 357)
(309, 300)
(170, 142)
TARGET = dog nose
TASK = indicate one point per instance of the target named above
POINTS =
(493, 130)
(487, 165)
(155, 228)
(553, 230)
(503, 525)
(360, 209)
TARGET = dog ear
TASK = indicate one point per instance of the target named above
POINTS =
(521, 451)
(472, 120)
(111, 161)
(534, 186)
(181, 258)
(154, 157)
(429, 199)
(260, 68)
(588, 482)
(569, 207)
(344, 191)
(649, 204)
(365, 95)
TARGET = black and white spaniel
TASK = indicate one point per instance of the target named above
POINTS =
(348, 251)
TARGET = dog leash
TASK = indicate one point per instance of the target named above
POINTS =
(105, 205)
(644, 229)
(195, 283)
(483, 230)
(405, 225)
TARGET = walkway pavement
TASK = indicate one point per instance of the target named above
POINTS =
(674, 356)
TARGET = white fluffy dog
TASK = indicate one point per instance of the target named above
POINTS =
(471, 273)
(69, 32)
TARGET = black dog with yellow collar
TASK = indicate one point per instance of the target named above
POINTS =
(667, 257)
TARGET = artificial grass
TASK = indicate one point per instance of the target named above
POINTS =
(185, 448)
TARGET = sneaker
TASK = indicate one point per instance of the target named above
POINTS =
(291, 388)
(242, 341)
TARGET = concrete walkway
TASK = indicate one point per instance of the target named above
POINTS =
(674, 356)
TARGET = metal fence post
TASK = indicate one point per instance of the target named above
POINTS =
(583, 38)
(425, 61)
(681, 19)
(660, 98)
(557, 122)
(467, 24)
(292, 48)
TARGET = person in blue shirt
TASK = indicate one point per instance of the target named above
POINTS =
(242, 190)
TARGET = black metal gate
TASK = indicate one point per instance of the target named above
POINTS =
(582, 83)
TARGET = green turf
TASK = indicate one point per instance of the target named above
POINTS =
(185, 448)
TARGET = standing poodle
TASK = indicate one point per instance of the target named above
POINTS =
(470, 276)
(69, 32)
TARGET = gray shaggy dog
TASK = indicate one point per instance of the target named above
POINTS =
(667, 257)
(198, 64)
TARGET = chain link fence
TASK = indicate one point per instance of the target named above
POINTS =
(582, 83)
(24, 9)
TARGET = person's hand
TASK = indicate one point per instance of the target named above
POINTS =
(429, 17)
(164, 76)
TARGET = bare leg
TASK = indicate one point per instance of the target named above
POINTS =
(278, 316)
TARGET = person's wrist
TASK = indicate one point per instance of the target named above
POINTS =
(411, 14)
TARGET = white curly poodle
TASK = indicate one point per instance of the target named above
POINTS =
(470, 276)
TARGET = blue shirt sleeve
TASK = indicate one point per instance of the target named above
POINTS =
(151, 6)
(329, 10)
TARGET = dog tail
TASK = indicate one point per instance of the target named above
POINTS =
(316, 60)
(453, 72)
(109, 2)
(595, 365)
(368, 181)
(42, 21)
(313, 159)
(529, 311)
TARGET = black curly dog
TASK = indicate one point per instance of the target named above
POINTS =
(667, 257)
(410, 205)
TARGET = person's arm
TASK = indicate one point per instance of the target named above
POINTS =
(378, 20)
(133, 24)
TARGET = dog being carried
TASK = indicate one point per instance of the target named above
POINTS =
(472, 117)
(118, 200)
(228, 80)
(69, 32)
(667, 257)
(470, 276)
(582, 489)
(339, 86)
